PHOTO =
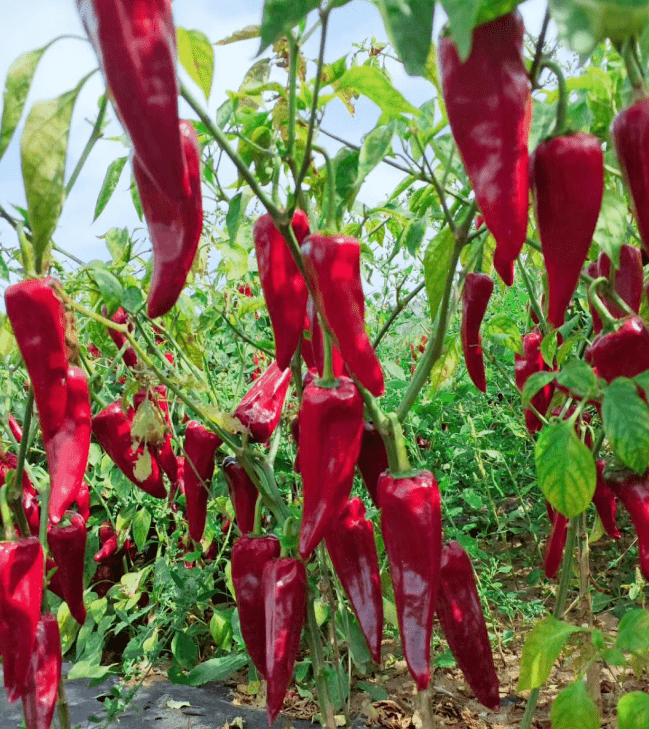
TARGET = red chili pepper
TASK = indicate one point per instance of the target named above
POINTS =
(83, 501)
(261, 408)
(9, 462)
(21, 592)
(630, 135)
(411, 521)
(488, 103)
(633, 492)
(135, 42)
(15, 428)
(243, 493)
(174, 226)
(627, 282)
(200, 448)
(317, 344)
(67, 545)
(372, 460)
(478, 288)
(42, 685)
(284, 589)
(112, 429)
(556, 542)
(567, 179)
(604, 500)
(524, 366)
(460, 613)
(108, 540)
(622, 353)
(331, 428)
(121, 317)
(284, 288)
(351, 546)
(332, 267)
(249, 555)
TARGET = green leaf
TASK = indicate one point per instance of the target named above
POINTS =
(184, 650)
(409, 25)
(626, 423)
(233, 217)
(132, 299)
(375, 147)
(109, 286)
(578, 377)
(542, 647)
(502, 329)
(216, 669)
(573, 707)
(117, 241)
(280, 16)
(565, 469)
(141, 526)
(113, 173)
(462, 15)
(135, 197)
(4, 269)
(633, 711)
(414, 233)
(535, 382)
(196, 55)
(549, 348)
(436, 262)
(373, 83)
(492, 9)
(633, 632)
(610, 233)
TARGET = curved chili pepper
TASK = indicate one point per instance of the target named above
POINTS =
(351, 546)
(317, 344)
(556, 542)
(249, 555)
(282, 283)
(478, 288)
(372, 460)
(604, 500)
(261, 408)
(411, 521)
(284, 588)
(633, 492)
(567, 179)
(331, 428)
(67, 545)
(135, 42)
(174, 226)
(108, 540)
(332, 267)
(121, 317)
(460, 613)
(112, 429)
(527, 364)
(627, 282)
(243, 493)
(488, 103)
(15, 428)
(42, 685)
(622, 353)
(200, 448)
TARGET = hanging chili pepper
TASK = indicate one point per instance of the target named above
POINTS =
(567, 179)
(332, 267)
(621, 353)
(249, 555)
(372, 460)
(174, 226)
(604, 500)
(109, 544)
(21, 592)
(135, 43)
(488, 103)
(633, 492)
(331, 428)
(460, 613)
(627, 282)
(351, 546)
(556, 542)
(411, 522)
(478, 288)
(15, 428)
(527, 364)
(317, 344)
(112, 429)
(121, 317)
(42, 685)
(284, 589)
(200, 448)
(243, 493)
(261, 407)
(67, 545)
(282, 283)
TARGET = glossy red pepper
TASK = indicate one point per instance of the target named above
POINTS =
(15, 428)
(556, 543)
(42, 685)
(249, 555)
(261, 407)
(121, 317)
(527, 364)
(633, 492)
(67, 544)
(284, 588)
(621, 353)
(488, 103)
(331, 428)
(135, 42)
(567, 179)
(460, 613)
(477, 291)
(317, 345)
(282, 283)
(332, 267)
(351, 546)
(372, 460)
(411, 521)
(605, 502)
(200, 449)
(108, 540)
(627, 282)
(21, 592)
(174, 226)
(243, 493)
(112, 429)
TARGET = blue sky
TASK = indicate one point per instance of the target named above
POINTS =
(30, 25)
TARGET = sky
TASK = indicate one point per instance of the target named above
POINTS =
(30, 25)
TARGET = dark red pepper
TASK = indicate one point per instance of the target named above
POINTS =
(331, 428)
(527, 364)
(633, 492)
(627, 282)
(317, 344)
(67, 545)
(372, 460)
(556, 542)
(411, 521)
(243, 493)
(121, 317)
(460, 613)
(284, 588)
(261, 407)
(621, 353)
(249, 555)
(605, 502)
(351, 546)
(15, 428)
(200, 449)
(42, 685)
(109, 544)
(478, 288)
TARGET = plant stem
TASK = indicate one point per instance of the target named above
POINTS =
(95, 135)
(17, 503)
(293, 60)
(62, 707)
(562, 102)
(534, 71)
(313, 637)
(401, 305)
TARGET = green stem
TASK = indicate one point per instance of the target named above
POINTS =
(20, 466)
(608, 321)
(532, 297)
(293, 60)
(328, 378)
(313, 637)
(395, 444)
(562, 102)
(401, 305)
(632, 68)
(538, 53)
(95, 135)
(5, 512)
(330, 220)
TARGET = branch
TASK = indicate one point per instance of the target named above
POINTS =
(398, 309)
